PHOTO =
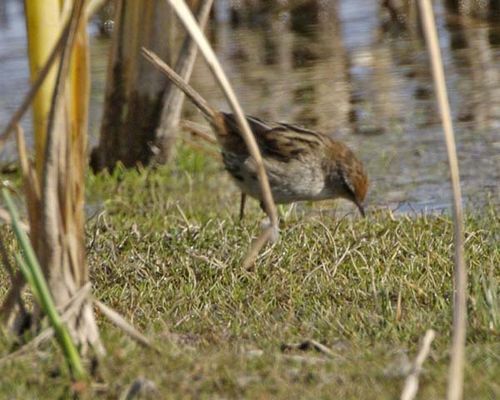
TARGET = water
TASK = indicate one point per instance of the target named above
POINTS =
(338, 70)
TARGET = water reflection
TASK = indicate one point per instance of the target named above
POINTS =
(355, 69)
(13, 65)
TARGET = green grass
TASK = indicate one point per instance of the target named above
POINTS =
(165, 249)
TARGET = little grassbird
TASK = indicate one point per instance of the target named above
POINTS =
(301, 164)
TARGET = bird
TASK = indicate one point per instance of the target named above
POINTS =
(301, 164)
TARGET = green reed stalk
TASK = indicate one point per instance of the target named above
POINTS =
(33, 274)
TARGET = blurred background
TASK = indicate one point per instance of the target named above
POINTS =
(356, 69)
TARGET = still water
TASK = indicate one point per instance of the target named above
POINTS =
(341, 69)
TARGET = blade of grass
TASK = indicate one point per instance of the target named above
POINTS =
(33, 273)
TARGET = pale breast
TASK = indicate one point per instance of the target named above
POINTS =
(290, 181)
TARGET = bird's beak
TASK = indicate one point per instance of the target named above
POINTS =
(361, 209)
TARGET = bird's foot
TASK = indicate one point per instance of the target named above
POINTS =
(275, 234)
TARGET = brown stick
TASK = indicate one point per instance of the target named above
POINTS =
(125, 326)
(192, 94)
(455, 379)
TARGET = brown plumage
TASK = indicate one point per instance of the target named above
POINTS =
(301, 164)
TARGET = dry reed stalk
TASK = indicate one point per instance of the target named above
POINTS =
(125, 326)
(455, 379)
(30, 177)
(166, 133)
(60, 239)
(31, 184)
(54, 160)
(189, 22)
(411, 383)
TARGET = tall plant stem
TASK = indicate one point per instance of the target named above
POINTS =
(456, 373)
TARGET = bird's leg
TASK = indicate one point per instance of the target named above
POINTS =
(242, 205)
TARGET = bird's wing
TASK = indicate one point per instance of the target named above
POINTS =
(286, 142)
(281, 141)
(232, 140)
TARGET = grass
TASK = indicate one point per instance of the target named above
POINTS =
(165, 249)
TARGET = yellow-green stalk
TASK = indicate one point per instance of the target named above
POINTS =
(43, 25)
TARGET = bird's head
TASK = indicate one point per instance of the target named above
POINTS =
(348, 176)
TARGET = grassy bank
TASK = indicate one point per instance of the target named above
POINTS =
(165, 249)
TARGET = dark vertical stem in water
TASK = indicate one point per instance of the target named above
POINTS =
(134, 91)
(482, 96)
(479, 9)
(494, 10)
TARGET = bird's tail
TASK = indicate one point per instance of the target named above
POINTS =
(191, 94)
